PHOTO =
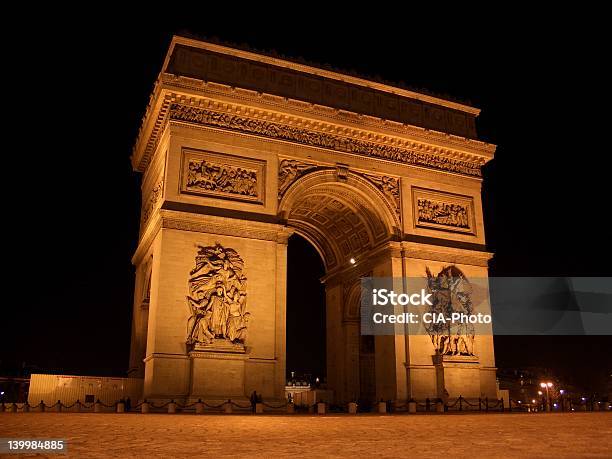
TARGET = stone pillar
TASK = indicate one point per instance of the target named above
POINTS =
(259, 408)
(352, 408)
(382, 407)
(227, 407)
(412, 406)
(320, 408)
(121, 407)
(172, 407)
(199, 407)
(145, 407)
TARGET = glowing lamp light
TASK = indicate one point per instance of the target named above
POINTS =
(555, 405)
(352, 260)
(539, 392)
(561, 391)
(533, 401)
(542, 384)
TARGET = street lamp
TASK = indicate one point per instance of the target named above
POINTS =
(547, 385)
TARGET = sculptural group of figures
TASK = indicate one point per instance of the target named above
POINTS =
(217, 299)
(443, 213)
(451, 292)
(226, 178)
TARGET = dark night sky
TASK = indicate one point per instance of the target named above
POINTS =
(72, 202)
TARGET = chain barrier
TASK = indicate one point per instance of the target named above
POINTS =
(242, 407)
(460, 404)
(284, 405)
(214, 406)
(182, 407)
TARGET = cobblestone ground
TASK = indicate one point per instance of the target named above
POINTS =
(476, 435)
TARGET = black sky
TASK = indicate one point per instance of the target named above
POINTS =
(79, 88)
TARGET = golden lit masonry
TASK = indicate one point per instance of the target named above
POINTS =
(238, 151)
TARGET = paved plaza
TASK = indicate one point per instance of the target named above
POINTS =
(188, 435)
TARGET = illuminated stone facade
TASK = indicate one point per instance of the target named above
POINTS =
(238, 151)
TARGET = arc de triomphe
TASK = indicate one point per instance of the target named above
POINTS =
(240, 150)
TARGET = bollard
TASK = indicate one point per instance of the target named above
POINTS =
(97, 407)
(145, 408)
(199, 407)
(382, 407)
(58, 407)
(227, 407)
(439, 406)
(41, 405)
(352, 408)
(320, 408)
(2, 408)
(412, 406)
(26, 407)
(121, 407)
(290, 408)
(77, 406)
(171, 407)
(259, 408)
(310, 408)
(14, 408)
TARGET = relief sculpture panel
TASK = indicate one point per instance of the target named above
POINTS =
(443, 211)
(217, 300)
(222, 176)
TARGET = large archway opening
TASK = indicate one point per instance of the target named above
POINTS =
(306, 340)
(345, 219)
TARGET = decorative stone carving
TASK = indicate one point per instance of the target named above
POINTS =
(390, 187)
(289, 171)
(149, 205)
(219, 175)
(451, 292)
(443, 211)
(217, 299)
(202, 116)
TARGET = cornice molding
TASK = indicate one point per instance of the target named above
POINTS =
(445, 254)
(170, 82)
(168, 87)
(186, 221)
(149, 232)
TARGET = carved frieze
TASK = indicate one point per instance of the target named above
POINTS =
(275, 130)
(224, 176)
(390, 187)
(443, 211)
(289, 170)
(217, 300)
(150, 203)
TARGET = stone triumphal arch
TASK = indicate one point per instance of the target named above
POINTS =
(240, 150)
